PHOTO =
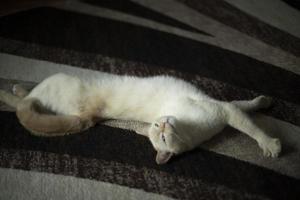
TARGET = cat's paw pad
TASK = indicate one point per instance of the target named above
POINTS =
(271, 147)
(263, 101)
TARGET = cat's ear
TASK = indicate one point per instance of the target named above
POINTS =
(163, 157)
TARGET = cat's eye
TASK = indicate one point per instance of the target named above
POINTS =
(163, 138)
(156, 125)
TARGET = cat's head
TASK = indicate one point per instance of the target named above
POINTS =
(166, 139)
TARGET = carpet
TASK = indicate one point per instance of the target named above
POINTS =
(231, 50)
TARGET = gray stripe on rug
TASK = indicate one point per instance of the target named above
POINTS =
(28, 185)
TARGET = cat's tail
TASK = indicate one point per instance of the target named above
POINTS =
(31, 116)
(9, 99)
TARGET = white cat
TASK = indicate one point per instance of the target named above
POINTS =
(181, 117)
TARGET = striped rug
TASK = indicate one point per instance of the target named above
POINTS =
(230, 49)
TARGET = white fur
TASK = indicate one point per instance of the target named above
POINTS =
(194, 116)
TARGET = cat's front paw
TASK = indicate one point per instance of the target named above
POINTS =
(271, 147)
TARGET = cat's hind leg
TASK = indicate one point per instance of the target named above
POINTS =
(238, 119)
(255, 104)
(34, 117)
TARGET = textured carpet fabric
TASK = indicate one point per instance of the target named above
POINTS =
(229, 49)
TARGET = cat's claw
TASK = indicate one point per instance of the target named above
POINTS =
(271, 147)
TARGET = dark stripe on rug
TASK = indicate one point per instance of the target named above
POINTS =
(245, 23)
(150, 180)
(85, 33)
(281, 109)
(132, 8)
(116, 145)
